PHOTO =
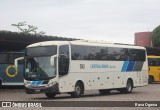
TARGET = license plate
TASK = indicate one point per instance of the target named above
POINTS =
(37, 90)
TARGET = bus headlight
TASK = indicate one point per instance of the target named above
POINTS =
(27, 83)
(51, 84)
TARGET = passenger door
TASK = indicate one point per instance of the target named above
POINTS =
(63, 68)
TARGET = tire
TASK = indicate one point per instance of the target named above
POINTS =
(50, 95)
(104, 92)
(151, 79)
(129, 87)
(78, 91)
(0, 83)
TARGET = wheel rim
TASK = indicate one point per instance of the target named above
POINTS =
(129, 87)
(78, 90)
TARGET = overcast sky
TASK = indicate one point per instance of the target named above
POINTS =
(110, 20)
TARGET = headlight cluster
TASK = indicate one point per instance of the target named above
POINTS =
(27, 83)
(51, 83)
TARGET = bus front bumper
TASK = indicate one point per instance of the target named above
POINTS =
(35, 90)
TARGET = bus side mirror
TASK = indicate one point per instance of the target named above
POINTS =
(52, 60)
(16, 61)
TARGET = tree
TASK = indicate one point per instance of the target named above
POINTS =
(156, 37)
(31, 29)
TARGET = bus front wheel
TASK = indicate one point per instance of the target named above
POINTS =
(0, 83)
(78, 90)
(50, 95)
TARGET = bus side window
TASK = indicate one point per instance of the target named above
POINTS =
(158, 62)
(152, 62)
(4, 58)
(63, 60)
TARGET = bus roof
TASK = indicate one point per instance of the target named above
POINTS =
(47, 43)
(87, 43)
(105, 44)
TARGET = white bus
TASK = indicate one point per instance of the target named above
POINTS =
(54, 67)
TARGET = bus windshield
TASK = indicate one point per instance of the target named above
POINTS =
(37, 62)
(39, 68)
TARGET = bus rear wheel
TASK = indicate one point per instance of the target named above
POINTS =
(129, 87)
(78, 90)
(50, 95)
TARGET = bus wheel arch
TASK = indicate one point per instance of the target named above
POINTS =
(78, 89)
(129, 86)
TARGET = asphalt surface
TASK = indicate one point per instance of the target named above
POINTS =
(146, 93)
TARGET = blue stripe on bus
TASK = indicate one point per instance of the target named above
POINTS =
(34, 82)
(39, 82)
(125, 65)
(130, 66)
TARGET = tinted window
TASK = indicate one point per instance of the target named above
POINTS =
(8, 58)
(79, 52)
(3, 58)
(136, 54)
(153, 62)
(13, 56)
(106, 53)
(63, 60)
(42, 51)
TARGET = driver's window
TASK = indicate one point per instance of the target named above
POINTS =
(63, 60)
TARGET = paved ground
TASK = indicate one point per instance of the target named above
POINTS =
(147, 93)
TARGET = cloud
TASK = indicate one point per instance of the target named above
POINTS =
(112, 20)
